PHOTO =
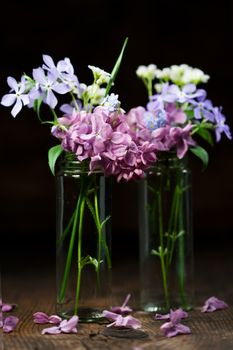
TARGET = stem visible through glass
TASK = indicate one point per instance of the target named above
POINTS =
(79, 257)
(88, 195)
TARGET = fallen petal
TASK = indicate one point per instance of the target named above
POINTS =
(173, 316)
(54, 319)
(70, 325)
(8, 307)
(171, 330)
(123, 309)
(177, 315)
(10, 323)
(110, 315)
(213, 304)
(128, 322)
(162, 317)
(168, 329)
(40, 317)
(51, 330)
(182, 329)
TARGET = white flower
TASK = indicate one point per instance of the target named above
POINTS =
(195, 76)
(100, 76)
(177, 72)
(182, 74)
(147, 72)
(163, 74)
(95, 94)
(158, 88)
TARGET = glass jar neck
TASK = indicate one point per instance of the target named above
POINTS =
(170, 160)
(70, 165)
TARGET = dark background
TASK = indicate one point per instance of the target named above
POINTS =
(198, 33)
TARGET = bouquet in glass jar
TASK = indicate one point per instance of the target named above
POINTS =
(177, 117)
(95, 142)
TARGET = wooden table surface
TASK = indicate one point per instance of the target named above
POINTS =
(32, 287)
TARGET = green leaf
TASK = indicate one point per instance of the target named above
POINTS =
(53, 154)
(104, 221)
(37, 104)
(160, 252)
(202, 154)
(154, 252)
(88, 260)
(206, 135)
(116, 68)
(189, 113)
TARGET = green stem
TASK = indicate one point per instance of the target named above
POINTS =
(160, 209)
(70, 253)
(165, 287)
(99, 235)
(99, 228)
(74, 100)
(149, 87)
(66, 231)
(181, 265)
(107, 254)
(79, 257)
(54, 115)
(161, 236)
(170, 230)
(175, 224)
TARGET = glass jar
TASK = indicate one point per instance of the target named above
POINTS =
(83, 226)
(165, 231)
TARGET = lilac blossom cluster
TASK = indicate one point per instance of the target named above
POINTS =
(177, 111)
(92, 126)
(106, 140)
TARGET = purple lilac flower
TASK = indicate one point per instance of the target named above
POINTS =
(135, 118)
(65, 71)
(111, 102)
(19, 98)
(100, 132)
(180, 313)
(63, 66)
(71, 108)
(175, 115)
(157, 101)
(221, 127)
(202, 108)
(132, 164)
(107, 141)
(165, 137)
(174, 327)
(9, 324)
(181, 139)
(154, 120)
(187, 92)
(213, 304)
(121, 321)
(123, 309)
(41, 318)
(66, 326)
(47, 84)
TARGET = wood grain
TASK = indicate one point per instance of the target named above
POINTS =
(33, 289)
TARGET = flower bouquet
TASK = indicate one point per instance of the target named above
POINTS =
(178, 117)
(95, 143)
